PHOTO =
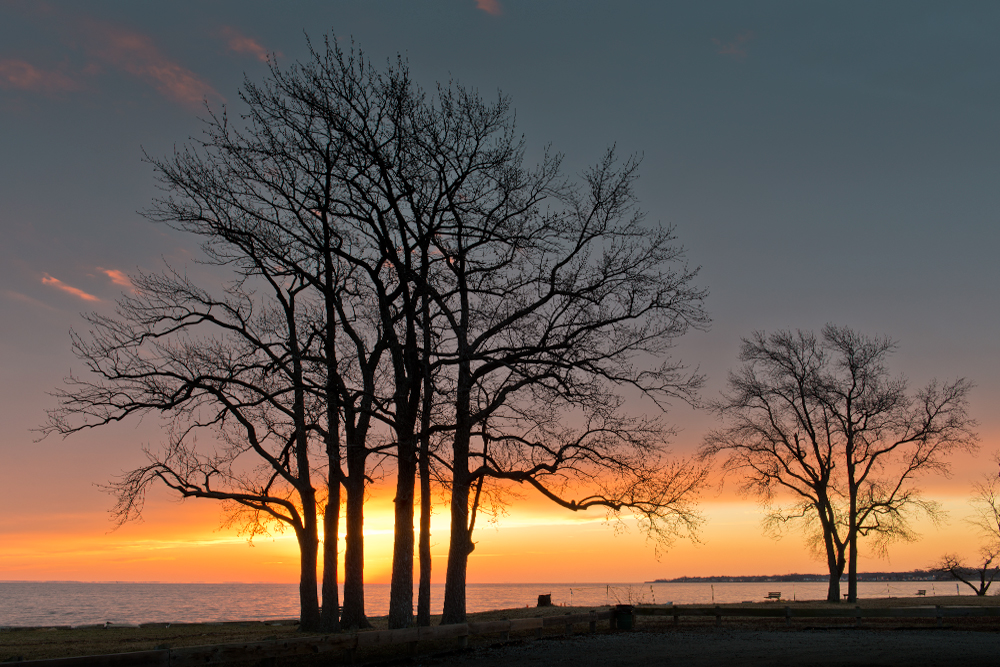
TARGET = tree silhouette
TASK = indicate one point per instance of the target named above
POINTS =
(234, 367)
(820, 420)
(476, 316)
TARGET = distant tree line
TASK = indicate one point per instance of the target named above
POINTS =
(910, 575)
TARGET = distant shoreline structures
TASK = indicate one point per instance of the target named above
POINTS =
(912, 575)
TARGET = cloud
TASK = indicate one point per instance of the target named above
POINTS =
(240, 43)
(117, 277)
(136, 54)
(58, 284)
(22, 75)
(736, 47)
(27, 299)
(491, 7)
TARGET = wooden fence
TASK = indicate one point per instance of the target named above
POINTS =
(620, 617)
(788, 613)
(344, 643)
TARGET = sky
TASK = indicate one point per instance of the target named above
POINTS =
(822, 162)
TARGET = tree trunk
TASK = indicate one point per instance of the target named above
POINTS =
(330, 613)
(461, 541)
(833, 591)
(852, 567)
(401, 587)
(354, 557)
(424, 590)
(309, 615)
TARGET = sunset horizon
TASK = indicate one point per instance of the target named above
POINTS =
(652, 290)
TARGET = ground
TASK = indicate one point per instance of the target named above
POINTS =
(655, 641)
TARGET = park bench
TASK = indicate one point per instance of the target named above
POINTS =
(922, 591)
(774, 595)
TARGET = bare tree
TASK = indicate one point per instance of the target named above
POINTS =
(550, 294)
(822, 434)
(985, 569)
(233, 367)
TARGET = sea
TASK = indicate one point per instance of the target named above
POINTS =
(48, 604)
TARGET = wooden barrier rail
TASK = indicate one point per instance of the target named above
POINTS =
(788, 613)
(189, 656)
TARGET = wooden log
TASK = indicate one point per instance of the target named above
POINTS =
(489, 627)
(159, 658)
(453, 631)
(518, 624)
(222, 653)
(556, 621)
(389, 637)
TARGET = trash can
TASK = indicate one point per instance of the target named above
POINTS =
(623, 616)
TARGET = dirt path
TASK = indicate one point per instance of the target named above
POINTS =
(722, 647)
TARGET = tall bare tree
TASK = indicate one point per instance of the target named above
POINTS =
(234, 367)
(551, 293)
(823, 435)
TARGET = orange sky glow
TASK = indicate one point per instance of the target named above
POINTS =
(535, 542)
(811, 178)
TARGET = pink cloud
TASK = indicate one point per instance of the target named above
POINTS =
(736, 47)
(58, 284)
(491, 7)
(27, 299)
(117, 277)
(240, 43)
(136, 54)
(22, 75)
(107, 46)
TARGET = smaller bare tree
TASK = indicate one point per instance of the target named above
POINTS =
(986, 569)
(824, 436)
(231, 368)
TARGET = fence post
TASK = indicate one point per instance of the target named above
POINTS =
(940, 615)
(718, 617)
(788, 616)
(593, 621)
(857, 615)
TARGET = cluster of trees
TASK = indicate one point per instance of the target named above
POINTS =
(404, 294)
(829, 441)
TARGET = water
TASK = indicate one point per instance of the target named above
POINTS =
(51, 603)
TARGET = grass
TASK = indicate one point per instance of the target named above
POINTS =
(44, 643)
